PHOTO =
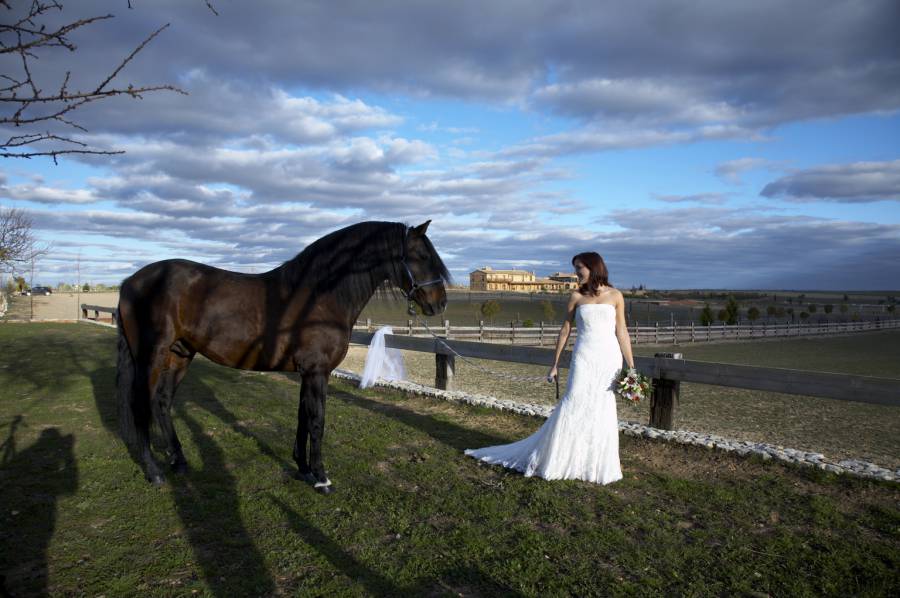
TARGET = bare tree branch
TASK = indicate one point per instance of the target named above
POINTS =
(29, 106)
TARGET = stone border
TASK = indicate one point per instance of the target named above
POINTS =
(711, 441)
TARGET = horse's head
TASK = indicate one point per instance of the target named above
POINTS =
(423, 273)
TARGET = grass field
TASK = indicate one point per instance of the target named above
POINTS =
(412, 515)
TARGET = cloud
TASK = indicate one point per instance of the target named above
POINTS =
(859, 182)
(732, 170)
(47, 195)
(705, 198)
(702, 247)
(649, 101)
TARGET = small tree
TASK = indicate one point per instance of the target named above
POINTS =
(87, 288)
(753, 314)
(723, 315)
(846, 297)
(844, 307)
(891, 308)
(812, 308)
(731, 308)
(489, 309)
(803, 315)
(706, 316)
(548, 310)
(771, 311)
(828, 308)
(17, 242)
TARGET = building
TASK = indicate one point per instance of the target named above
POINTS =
(488, 279)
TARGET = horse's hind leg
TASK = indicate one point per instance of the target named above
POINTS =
(173, 371)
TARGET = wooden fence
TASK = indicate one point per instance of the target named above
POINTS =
(98, 309)
(541, 334)
(668, 370)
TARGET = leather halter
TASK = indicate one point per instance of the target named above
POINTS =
(413, 284)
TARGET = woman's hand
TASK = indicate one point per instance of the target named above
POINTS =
(552, 374)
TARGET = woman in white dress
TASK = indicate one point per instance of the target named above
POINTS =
(580, 439)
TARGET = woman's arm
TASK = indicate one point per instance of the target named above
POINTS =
(564, 332)
(622, 330)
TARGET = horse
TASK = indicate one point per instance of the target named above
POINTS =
(297, 317)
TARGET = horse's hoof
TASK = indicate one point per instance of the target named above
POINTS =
(157, 480)
(324, 488)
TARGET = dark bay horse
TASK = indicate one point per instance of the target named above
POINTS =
(297, 317)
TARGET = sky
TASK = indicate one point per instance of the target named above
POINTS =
(700, 144)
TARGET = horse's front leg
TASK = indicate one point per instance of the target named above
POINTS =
(311, 424)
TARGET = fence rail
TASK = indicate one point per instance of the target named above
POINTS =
(542, 334)
(98, 309)
(668, 370)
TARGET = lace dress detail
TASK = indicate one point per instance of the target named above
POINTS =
(580, 439)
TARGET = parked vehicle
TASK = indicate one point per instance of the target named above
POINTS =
(41, 291)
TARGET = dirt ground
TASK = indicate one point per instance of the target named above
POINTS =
(58, 306)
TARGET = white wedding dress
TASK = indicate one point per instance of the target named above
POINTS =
(580, 439)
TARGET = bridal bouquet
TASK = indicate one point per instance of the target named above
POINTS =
(633, 385)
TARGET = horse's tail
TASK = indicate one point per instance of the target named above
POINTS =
(133, 416)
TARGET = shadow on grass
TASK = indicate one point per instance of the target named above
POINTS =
(206, 497)
(42, 473)
(377, 584)
(453, 435)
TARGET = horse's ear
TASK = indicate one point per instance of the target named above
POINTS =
(420, 230)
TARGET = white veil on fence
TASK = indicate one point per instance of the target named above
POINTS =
(382, 362)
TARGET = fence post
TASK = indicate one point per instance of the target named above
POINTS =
(675, 333)
(541, 335)
(665, 398)
(368, 324)
(481, 330)
(446, 328)
(445, 366)
(693, 338)
(409, 327)
(656, 334)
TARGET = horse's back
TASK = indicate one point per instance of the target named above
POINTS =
(185, 300)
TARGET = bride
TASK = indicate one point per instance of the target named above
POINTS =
(580, 439)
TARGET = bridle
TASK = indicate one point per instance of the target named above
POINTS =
(413, 284)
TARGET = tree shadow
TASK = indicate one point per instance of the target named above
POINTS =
(206, 497)
(453, 435)
(31, 481)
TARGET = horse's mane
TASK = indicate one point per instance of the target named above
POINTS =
(352, 259)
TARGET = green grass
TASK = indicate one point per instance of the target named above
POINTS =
(412, 515)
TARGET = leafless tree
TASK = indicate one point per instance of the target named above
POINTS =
(25, 107)
(17, 243)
